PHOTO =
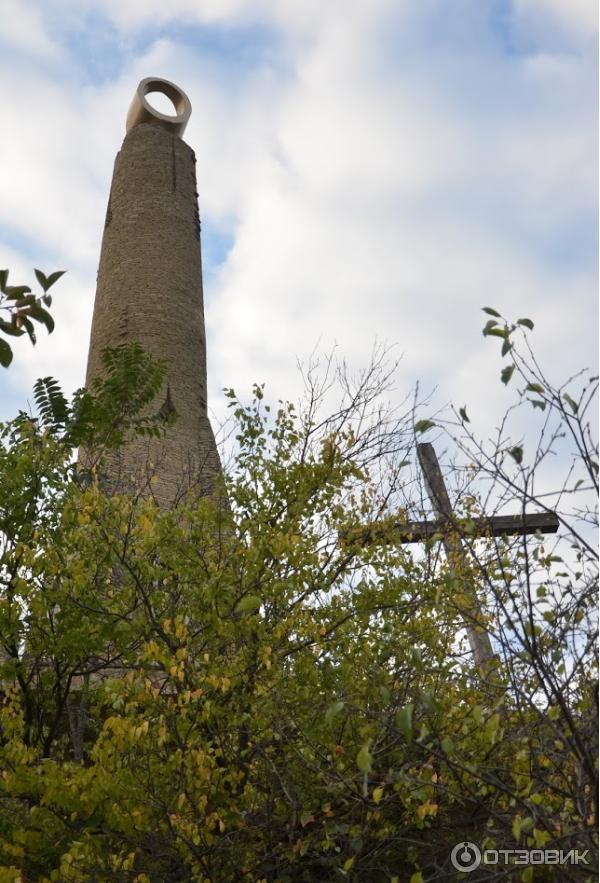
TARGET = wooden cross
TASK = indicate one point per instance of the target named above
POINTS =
(506, 525)
(446, 528)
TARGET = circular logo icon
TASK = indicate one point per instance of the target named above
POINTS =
(466, 856)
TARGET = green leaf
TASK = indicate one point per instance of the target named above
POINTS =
(527, 322)
(491, 323)
(535, 387)
(506, 346)
(517, 454)
(424, 425)
(41, 315)
(6, 355)
(417, 878)
(10, 328)
(14, 292)
(573, 404)
(27, 300)
(429, 702)
(494, 332)
(385, 693)
(447, 745)
(48, 281)
(41, 278)
(462, 413)
(28, 325)
(492, 727)
(507, 373)
(248, 604)
(478, 715)
(364, 759)
(490, 311)
(404, 719)
(50, 402)
(333, 710)
(538, 403)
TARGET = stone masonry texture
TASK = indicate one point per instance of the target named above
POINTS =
(150, 291)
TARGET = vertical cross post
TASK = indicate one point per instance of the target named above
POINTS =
(479, 640)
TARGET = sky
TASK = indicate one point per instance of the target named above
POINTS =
(368, 170)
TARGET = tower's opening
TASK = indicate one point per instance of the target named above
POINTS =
(161, 102)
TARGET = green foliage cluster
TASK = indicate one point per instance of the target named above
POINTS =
(21, 307)
(215, 694)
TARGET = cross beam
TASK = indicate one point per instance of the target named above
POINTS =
(498, 526)
(448, 529)
(472, 528)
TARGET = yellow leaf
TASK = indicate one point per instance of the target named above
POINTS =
(377, 794)
(427, 809)
(417, 878)
(348, 863)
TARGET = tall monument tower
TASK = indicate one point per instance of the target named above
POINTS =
(150, 291)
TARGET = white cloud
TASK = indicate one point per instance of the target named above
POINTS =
(23, 29)
(578, 18)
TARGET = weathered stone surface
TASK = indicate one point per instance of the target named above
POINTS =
(150, 291)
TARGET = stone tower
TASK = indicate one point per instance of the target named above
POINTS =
(150, 291)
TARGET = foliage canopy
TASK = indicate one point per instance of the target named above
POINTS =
(250, 694)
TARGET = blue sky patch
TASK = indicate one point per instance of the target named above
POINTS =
(216, 244)
(102, 52)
